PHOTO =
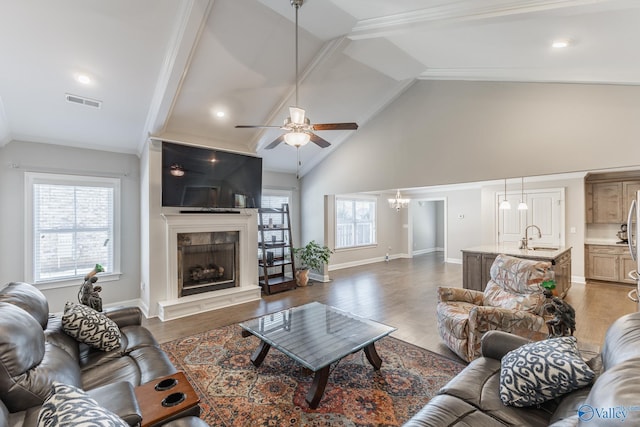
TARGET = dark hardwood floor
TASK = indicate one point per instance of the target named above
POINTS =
(400, 293)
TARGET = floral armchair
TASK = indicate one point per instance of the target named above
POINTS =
(511, 301)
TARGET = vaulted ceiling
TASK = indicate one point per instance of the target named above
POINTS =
(166, 68)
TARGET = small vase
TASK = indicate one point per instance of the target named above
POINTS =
(302, 277)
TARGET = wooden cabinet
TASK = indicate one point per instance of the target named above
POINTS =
(275, 261)
(607, 202)
(472, 278)
(476, 268)
(562, 269)
(629, 192)
(610, 263)
(608, 197)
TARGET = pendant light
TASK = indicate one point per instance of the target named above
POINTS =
(522, 206)
(398, 202)
(505, 205)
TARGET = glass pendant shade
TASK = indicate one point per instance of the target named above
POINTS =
(504, 205)
(297, 139)
(522, 206)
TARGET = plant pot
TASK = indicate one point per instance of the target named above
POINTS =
(302, 277)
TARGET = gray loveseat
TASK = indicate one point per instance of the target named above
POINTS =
(36, 353)
(472, 397)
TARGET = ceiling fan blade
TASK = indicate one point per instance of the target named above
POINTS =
(335, 126)
(322, 143)
(255, 126)
(275, 142)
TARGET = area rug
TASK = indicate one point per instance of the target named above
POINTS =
(235, 393)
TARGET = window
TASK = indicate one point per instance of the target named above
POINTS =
(275, 198)
(72, 225)
(355, 222)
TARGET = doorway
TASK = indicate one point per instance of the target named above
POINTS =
(428, 222)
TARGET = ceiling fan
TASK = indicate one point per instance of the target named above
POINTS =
(298, 127)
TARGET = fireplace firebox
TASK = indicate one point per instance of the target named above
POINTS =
(207, 261)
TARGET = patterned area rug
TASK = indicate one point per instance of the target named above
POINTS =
(235, 393)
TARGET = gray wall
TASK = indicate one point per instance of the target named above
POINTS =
(428, 225)
(445, 132)
(29, 156)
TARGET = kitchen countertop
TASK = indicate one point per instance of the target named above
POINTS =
(511, 249)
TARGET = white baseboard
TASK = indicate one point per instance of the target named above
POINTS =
(578, 279)
(427, 251)
(453, 260)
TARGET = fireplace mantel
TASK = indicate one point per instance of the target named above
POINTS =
(247, 290)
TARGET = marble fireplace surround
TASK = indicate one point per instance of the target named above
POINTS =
(247, 289)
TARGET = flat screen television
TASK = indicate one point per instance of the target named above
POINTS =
(194, 177)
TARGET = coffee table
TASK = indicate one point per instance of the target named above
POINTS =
(316, 335)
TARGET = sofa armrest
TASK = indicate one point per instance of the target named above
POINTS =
(460, 294)
(120, 399)
(495, 344)
(124, 316)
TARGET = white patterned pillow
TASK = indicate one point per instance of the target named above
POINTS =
(68, 406)
(90, 327)
(541, 371)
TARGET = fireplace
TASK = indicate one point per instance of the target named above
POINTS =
(207, 261)
(211, 262)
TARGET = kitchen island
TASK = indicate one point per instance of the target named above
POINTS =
(476, 264)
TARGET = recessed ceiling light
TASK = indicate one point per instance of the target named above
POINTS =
(560, 44)
(220, 114)
(83, 78)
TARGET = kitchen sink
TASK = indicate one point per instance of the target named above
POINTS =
(543, 248)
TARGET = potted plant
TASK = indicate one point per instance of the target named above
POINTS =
(310, 257)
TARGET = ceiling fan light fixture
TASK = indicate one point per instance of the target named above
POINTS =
(297, 139)
(176, 170)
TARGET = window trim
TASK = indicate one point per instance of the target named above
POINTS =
(31, 178)
(353, 197)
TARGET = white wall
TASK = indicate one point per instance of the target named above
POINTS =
(29, 156)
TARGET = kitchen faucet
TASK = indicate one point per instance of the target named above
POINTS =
(524, 243)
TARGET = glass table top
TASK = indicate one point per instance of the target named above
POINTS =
(315, 334)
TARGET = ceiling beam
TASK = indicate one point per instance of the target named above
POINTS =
(189, 27)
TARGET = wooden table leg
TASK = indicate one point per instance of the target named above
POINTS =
(260, 353)
(372, 356)
(316, 391)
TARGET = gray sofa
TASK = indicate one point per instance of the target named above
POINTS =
(472, 397)
(36, 353)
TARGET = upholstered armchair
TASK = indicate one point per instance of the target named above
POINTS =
(512, 301)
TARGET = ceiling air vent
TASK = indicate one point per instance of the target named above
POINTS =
(83, 101)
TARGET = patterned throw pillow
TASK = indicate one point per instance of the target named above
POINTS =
(541, 371)
(68, 406)
(90, 327)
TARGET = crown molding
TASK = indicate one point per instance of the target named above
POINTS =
(453, 12)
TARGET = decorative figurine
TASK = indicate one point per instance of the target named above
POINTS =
(89, 295)
(563, 322)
